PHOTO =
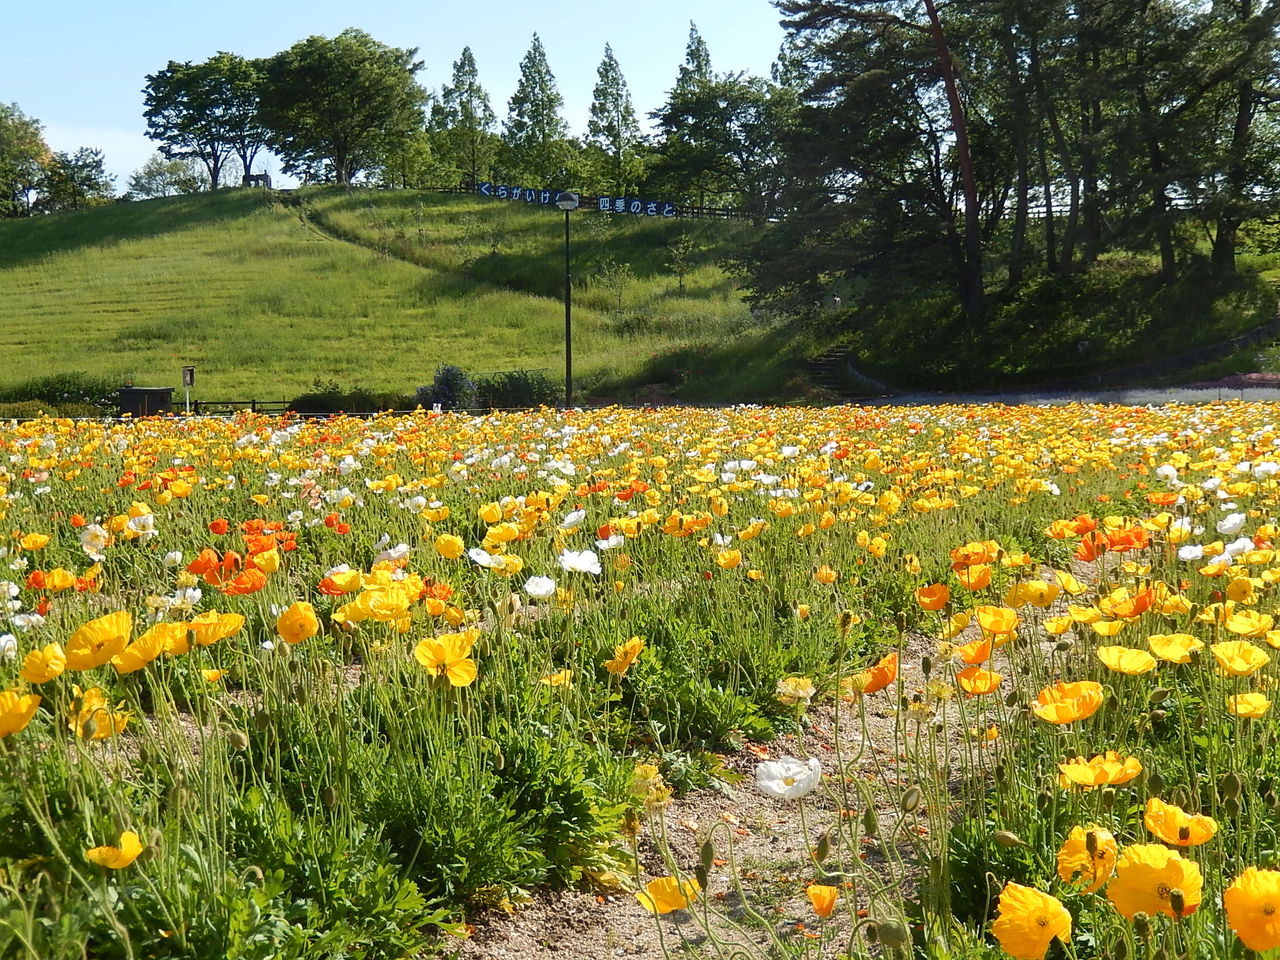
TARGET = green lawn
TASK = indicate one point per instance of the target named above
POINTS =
(367, 288)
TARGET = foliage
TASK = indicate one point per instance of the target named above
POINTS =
(462, 123)
(208, 112)
(63, 390)
(159, 177)
(516, 389)
(345, 102)
(613, 128)
(534, 133)
(23, 158)
(330, 397)
(73, 181)
(452, 389)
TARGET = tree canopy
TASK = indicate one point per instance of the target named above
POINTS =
(344, 102)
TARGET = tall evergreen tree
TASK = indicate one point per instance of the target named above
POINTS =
(464, 120)
(613, 127)
(535, 133)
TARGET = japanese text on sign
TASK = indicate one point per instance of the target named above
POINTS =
(630, 205)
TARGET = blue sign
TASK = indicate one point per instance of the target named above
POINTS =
(634, 206)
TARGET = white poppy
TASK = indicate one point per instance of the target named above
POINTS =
(580, 561)
(788, 778)
(539, 587)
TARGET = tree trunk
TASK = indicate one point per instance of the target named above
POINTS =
(1021, 124)
(971, 292)
(1229, 220)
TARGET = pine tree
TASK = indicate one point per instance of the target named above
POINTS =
(613, 127)
(466, 120)
(534, 133)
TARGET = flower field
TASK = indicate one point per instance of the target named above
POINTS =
(337, 688)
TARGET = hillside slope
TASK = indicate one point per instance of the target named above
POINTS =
(370, 288)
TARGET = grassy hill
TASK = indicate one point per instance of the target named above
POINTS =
(266, 294)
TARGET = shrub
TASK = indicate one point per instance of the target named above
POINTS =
(64, 389)
(451, 388)
(330, 397)
(514, 389)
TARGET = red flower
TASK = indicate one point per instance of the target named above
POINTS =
(219, 526)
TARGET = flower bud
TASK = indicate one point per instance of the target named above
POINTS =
(238, 739)
(1006, 838)
(706, 855)
(1230, 785)
(1141, 926)
(823, 848)
(1177, 901)
(1157, 715)
(1062, 646)
(926, 665)
(1091, 842)
(870, 822)
(912, 799)
(1158, 694)
(1107, 799)
(1231, 806)
(329, 796)
(1155, 784)
(893, 933)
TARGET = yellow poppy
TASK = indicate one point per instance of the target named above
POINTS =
(16, 710)
(1105, 769)
(1251, 705)
(1090, 854)
(977, 682)
(299, 622)
(1174, 647)
(822, 898)
(92, 718)
(1253, 908)
(449, 655)
(1068, 702)
(1239, 658)
(666, 894)
(1174, 825)
(141, 652)
(43, 665)
(98, 641)
(1126, 660)
(212, 626)
(1146, 874)
(1028, 921)
(118, 857)
(624, 655)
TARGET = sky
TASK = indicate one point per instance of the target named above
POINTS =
(81, 64)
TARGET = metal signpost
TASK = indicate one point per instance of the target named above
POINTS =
(567, 202)
(188, 381)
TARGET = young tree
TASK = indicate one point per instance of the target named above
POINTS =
(613, 127)
(73, 181)
(534, 133)
(23, 157)
(207, 111)
(161, 177)
(463, 122)
(346, 101)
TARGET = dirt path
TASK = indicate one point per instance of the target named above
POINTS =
(771, 850)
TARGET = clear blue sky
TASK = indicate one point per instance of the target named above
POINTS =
(78, 66)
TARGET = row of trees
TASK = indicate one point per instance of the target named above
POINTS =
(1002, 137)
(337, 108)
(35, 179)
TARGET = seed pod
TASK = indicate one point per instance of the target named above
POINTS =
(700, 874)
(1158, 694)
(870, 822)
(1062, 646)
(706, 855)
(1007, 839)
(1231, 806)
(926, 665)
(912, 799)
(329, 796)
(1158, 715)
(893, 933)
(238, 739)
